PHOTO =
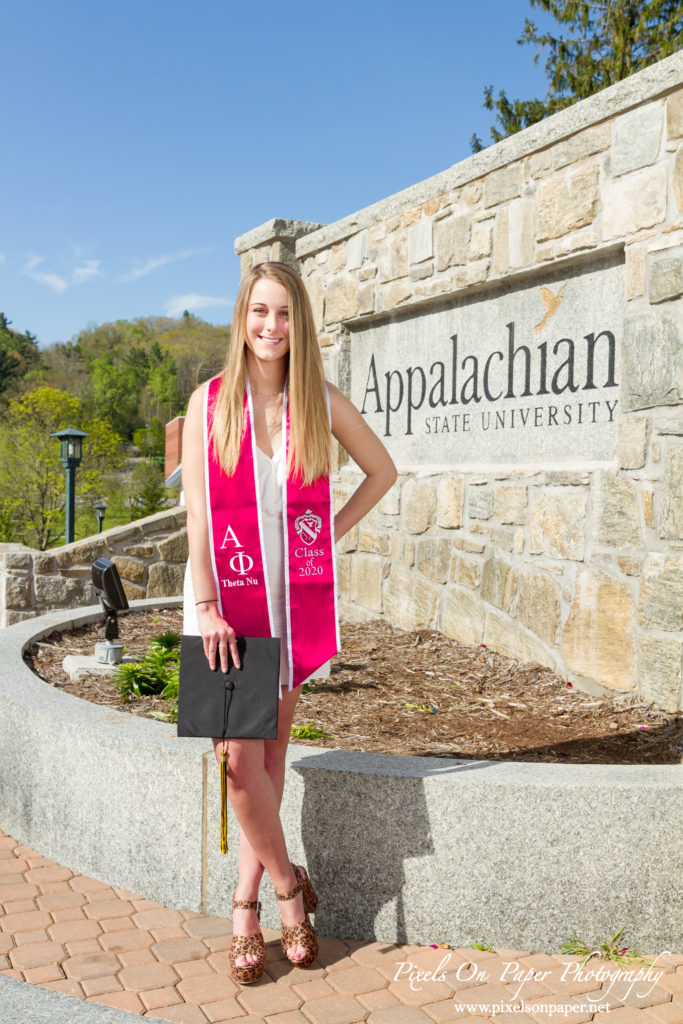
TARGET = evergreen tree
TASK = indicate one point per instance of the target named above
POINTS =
(18, 354)
(600, 42)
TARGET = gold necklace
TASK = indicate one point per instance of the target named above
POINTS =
(267, 394)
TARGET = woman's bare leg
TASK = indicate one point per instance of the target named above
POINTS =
(251, 868)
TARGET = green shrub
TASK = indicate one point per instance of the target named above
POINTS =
(156, 674)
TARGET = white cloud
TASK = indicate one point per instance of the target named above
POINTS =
(179, 303)
(2, 257)
(89, 268)
(58, 284)
(161, 261)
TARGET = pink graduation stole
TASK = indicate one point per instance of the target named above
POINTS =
(236, 541)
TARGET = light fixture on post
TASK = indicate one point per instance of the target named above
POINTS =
(70, 454)
(100, 509)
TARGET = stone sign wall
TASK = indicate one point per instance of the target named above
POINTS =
(512, 328)
(522, 375)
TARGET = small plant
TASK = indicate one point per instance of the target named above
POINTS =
(170, 640)
(309, 731)
(610, 950)
(156, 674)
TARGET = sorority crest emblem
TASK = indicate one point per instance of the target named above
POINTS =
(308, 526)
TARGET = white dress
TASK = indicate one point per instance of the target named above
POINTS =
(271, 478)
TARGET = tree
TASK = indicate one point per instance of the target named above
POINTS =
(162, 395)
(136, 492)
(116, 393)
(151, 439)
(606, 41)
(62, 367)
(31, 475)
(18, 354)
(149, 494)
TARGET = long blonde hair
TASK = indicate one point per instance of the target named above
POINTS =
(309, 435)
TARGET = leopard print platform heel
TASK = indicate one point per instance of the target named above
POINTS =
(310, 895)
(302, 933)
(245, 974)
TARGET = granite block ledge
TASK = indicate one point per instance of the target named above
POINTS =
(403, 849)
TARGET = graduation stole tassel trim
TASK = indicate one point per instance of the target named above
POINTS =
(224, 800)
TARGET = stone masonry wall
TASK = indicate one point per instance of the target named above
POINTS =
(150, 555)
(578, 567)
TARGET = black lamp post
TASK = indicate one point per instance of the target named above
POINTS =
(100, 509)
(70, 454)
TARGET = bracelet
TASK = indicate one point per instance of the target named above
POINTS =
(209, 600)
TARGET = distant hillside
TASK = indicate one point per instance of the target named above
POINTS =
(133, 371)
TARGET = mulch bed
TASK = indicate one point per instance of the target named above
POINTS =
(396, 692)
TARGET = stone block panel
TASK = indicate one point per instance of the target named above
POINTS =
(433, 558)
(174, 547)
(462, 616)
(420, 246)
(652, 360)
(665, 277)
(670, 525)
(451, 237)
(634, 202)
(130, 568)
(510, 504)
(466, 571)
(17, 559)
(678, 178)
(514, 247)
(58, 590)
(139, 550)
(674, 115)
(566, 201)
(502, 185)
(498, 581)
(637, 137)
(409, 601)
(418, 500)
(661, 663)
(366, 581)
(538, 605)
(558, 523)
(598, 640)
(617, 511)
(660, 604)
(480, 503)
(341, 301)
(393, 257)
(506, 636)
(374, 541)
(17, 591)
(132, 591)
(586, 143)
(449, 499)
(633, 437)
(165, 580)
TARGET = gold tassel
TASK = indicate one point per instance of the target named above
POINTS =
(224, 801)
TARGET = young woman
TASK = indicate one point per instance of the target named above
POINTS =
(256, 454)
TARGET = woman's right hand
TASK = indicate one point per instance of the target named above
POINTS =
(218, 636)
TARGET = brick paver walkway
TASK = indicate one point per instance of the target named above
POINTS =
(99, 943)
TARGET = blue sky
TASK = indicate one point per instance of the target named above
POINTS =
(140, 137)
